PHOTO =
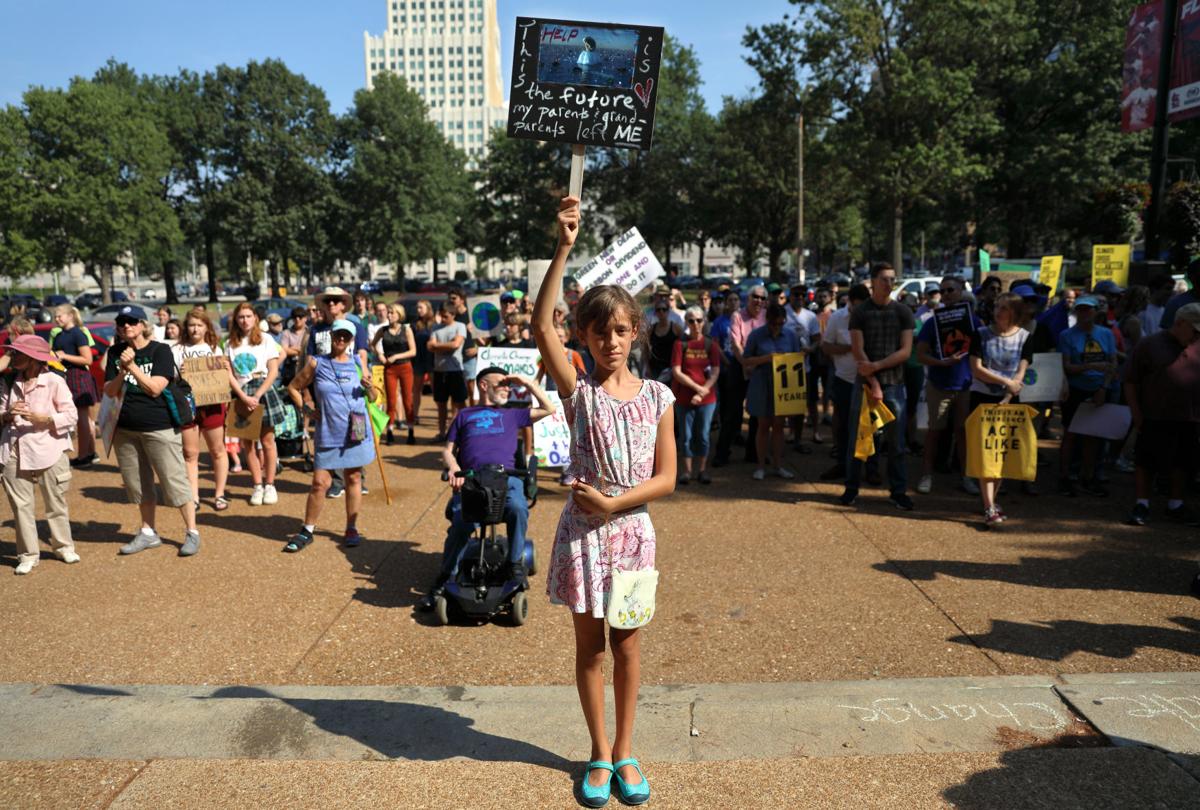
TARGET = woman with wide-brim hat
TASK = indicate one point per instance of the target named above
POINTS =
(37, 412)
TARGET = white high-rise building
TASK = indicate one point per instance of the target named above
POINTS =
(449, 52)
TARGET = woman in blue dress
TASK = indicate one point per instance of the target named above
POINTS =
(764, 342)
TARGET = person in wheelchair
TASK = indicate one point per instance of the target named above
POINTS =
(487, 434)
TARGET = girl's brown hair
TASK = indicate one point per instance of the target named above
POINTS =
(1014, 303)
(210, 332)
(235, 331)
(600, 305)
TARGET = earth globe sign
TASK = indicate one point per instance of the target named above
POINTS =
(486, 316)
(1031, 376)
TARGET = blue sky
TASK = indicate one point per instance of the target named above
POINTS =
(46, 42)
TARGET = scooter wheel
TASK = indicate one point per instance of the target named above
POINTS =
(441, 609)
(519, 609)
(532, 567)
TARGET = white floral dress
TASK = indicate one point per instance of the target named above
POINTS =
(612, 449)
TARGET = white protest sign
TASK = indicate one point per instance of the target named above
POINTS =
(552, 436)
(537, 274)
(627, 262)
(513, 361)
(1043, 379)
(1107, 421)
(484, 315)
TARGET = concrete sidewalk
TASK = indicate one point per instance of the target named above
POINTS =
(917, 735)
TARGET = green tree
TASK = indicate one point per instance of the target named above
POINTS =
(20, 251)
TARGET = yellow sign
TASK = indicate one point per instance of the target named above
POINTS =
(872, 416)
(1002, 443)
(377, 378)
(1110, 263)
(791, 394)
(1051, 273)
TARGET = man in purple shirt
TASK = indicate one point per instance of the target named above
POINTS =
(483, 435)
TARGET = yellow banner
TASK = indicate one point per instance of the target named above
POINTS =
(1110, 263)
(791, 394)
(377, 378)
(1002, 443)
(1051, 273)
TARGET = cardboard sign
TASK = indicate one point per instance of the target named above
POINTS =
(377, 374)
(1043, 379)
(106, 421)
(244, 426)
(484, 315)
(209, 378)
(790, 384)
(586, 83)
(1110, 263)
(953, 327)
(627, 262)
(513, 361)
(1002, 443)
(552, 436)
(1051, 272)
(537, 274)
(1107, 421)
(985, 263)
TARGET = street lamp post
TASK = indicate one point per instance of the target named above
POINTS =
(800, 196)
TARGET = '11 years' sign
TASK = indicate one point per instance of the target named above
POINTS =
(584, 83)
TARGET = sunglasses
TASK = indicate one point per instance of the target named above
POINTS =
(342, 336)
(660, 309)
(758, 297)
(128, 322)
(695, 320)
(948, 290)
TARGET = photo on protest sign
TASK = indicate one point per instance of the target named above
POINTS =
(514, 361)
(209, 378)
(552, 436)
(628, 262)
(1044, 378)
(484, 316)
(954, 326)
(584, 82)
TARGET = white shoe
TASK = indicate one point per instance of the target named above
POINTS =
(270, 496)
(784, 472)
(925, 485)
(67, 556)
(256, 497)
(759, 474)
(24, 567)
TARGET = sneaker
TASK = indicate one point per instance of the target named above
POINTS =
(335, 490)
(256, 497)
(848, 497)
(1094, 486)
(67, 555)
(365, 491)
(1140, 515)
(901, 501)
(391, 437)
(24, 567)
(352, 538)
(191, 544)
(270, 494)
(835, 473)
(704, 478)
(925, 485)
(1067, 488)
(784, 472)
(993, 517)
(140, 542)
(1181, 514)
(83, 461)
(970, 486)
(759, 474)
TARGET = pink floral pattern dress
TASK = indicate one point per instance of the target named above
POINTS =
(612, 449)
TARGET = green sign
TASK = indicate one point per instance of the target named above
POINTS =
(985, 262)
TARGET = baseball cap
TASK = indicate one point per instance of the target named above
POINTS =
(506, 297)
(1086, 301)
(490, 370)
(933, 287)
(344, 325)
(774, 288)
(134, 312)
(661, 289)
(1025, 291)
(274, 317)
(1108, 287)
(1189, 314)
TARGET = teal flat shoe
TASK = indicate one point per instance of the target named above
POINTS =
(597, 796)
(631, 794)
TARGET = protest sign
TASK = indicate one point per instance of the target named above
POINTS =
(552, 436)
(627, 262)
(1107, 421)
(377, 379)
(209, 378)
(243, 425)
(484, 316)
(790, 391)
(106, 421)
(1110, 263)
(1051, 272)
(1043, 379)
(593, 84)
(1002, 443)
(954, 327)
(513, 361)
(537, 274)
(985, 263)
(872, 416)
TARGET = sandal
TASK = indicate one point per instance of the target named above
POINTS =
(298, 542)
(631, 794)
(596, 795)
(220, 504)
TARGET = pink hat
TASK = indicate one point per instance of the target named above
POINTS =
(33, 346)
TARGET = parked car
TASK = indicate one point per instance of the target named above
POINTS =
(914, 285)
(744, 285)
(32, 310)
(102, 343)
(108, 312)
(369, 287)
(55, 301)
(91, 300)
(278, 306)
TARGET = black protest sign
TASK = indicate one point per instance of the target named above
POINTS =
(954, 327)
(594, 84)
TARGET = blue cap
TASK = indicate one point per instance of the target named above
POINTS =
(1086, 301)
(131, 311)
(1108, 287)
(1025, 291)
(344, 325)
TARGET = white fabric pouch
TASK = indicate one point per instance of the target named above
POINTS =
(631, 600)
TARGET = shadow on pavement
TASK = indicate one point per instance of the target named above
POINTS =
(396, 730)
(1055, 640)
(394, 580)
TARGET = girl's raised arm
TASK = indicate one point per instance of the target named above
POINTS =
(556, 363)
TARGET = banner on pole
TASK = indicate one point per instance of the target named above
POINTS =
(1051, 273)
(1183, 101)
(1139, 85)
(1110, 263)
(627, 262)
(586, 83)
(790, 384)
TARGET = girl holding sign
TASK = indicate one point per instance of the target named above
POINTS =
(200, 340)
(622, 457)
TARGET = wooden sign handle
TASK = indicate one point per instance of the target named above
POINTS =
(576, 187)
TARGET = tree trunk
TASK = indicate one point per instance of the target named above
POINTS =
(898, 239)
(435, 269)
(775, 254)
(169, 281)
(210, 260)
(702, 244)
(667, 256)
(287, 272)
(274, 291)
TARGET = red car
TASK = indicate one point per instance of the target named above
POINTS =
(101, 333)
